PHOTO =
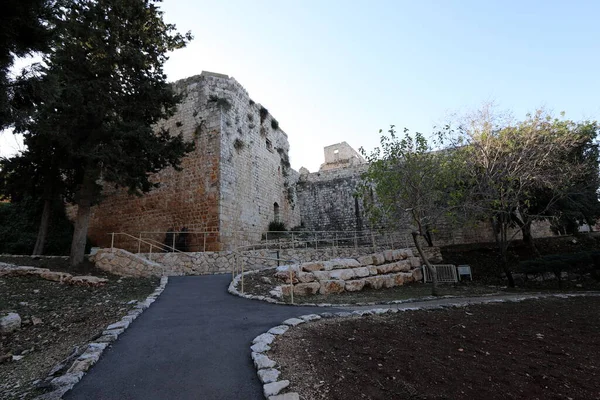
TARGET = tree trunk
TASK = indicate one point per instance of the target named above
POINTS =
(504, 252)
(528, 238)
(430, 270)
(43, 230)
(82, 221)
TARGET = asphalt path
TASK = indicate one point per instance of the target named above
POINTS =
(192, 343)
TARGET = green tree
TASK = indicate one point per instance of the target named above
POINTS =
(520, 172)
(410, 179)
(101, 92)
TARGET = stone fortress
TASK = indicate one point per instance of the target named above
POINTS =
(238, 179)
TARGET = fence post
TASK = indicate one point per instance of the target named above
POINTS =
(316, 241)
(293, 244)
(112, 240)
(173, 249)
(150, 255)
(140, 243)
(243, 275)
(355, 242)
(373, 240)
(204, 245)
(291, 284)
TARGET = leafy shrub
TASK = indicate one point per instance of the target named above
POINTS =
(277, 226)
(582, 262)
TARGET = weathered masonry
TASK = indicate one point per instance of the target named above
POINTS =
(238, 178)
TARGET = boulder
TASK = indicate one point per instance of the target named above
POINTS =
(87, 281)
(284, 276)
(417, 274)
(388, 255)
(361, 272)
(332, 286)
(342, 274)
(305, 277)
(311, 266)
(355, 285)
(305, 289)
(415, 262)
(402, 254)
(286, 289)
(10, 323)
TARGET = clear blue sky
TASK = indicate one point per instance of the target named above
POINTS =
(333, 71)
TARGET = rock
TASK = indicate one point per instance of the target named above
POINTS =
(365, 260)
(372, 270)
(341, 263)
(312, 266)
(378, 259)
(261, 361)
(10, 323)
(321, 275)
(284, 276)
(266, 279)
(361, 272)
(385, 268)
(285, 290)
(374, 282)
(260, 347)
(417, 274)
(306, 277)
(342, 274)
(355, 285)
(277, 292)
(401, 266)
(305, 289)
(293, 321)
(388, 255)
(264, 338)
(56, 276)
(118, 325)
(310, 317)
(286, 396)
(415, 262)
(17, 358)
(278, 330)
(273, 388)
(36, 321)
(67, 380)
(389, 281)
(399, 279)
(332, 286)
(407, 276)
(268, 375)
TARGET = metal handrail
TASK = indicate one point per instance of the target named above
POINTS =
(160, 246)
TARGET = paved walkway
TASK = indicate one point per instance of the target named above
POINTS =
(192, 343)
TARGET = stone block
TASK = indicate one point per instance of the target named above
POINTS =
(385, 268)
(388, 255)
(374, 282)
(341, 263)
(56, 276)
(361, 272)
(401, 266)
(312, 266)
(378, 259)
(399, 279)
(321, 275)
(332, 286)
(389, 281)
(284, 276)
(305, 277)
(372, 270)
(407, 276)
(305, 289)
(286, 289)
(417, 274)
(342, 274)
(415, 262)
(365, 260)
(355, 285)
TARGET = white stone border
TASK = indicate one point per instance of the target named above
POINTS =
(63, 383)
(233, 289)
(269, 374)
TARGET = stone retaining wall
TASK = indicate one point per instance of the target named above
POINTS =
(122, 262)
(380, 270)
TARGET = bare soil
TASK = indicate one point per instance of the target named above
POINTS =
(56, 318)
(536, 349)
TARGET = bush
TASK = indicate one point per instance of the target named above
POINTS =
(582, 262)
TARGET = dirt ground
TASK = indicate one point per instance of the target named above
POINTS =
(537, 349)
(56, 318)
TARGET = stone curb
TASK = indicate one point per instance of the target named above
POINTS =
(63, 383)
(267, 369)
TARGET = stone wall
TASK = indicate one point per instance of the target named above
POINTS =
(230, 183)
(122, 262)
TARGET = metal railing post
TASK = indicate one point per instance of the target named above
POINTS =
(355, 242)
(293, 243)
(291, 285)
(243, 275)
(373, 240)
(112, 240)
(316, 241)
(173, 248)
(204, 245)
(140, 243)
(150, 254)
